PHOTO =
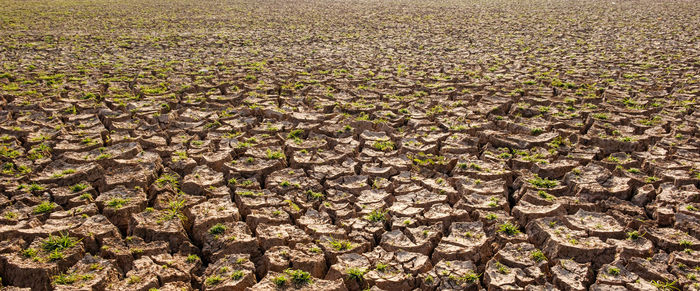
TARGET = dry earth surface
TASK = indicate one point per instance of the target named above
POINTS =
(349, 145)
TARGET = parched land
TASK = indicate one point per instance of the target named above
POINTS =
(349, 145)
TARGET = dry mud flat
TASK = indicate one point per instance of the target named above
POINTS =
(539, 145)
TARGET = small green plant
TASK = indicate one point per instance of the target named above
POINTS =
(87, 140)
(65, 279)
(310, 194)
(633, 235)
(666, 285)
(29, 253)
(44, 207)
(10, 215)
(356, 274)
(508, 229)
(384, 146)
(55, 255)
(475, 166)
(469, 277)
(505, 156)
(133, 280)
(614, 271)
(298, 277)
(117, 202)
(502, 268)
(340, 245)
(538, 256)
(37, 152)
(213, 280)
(546, 196)
(59, 242)
(217, 229)
(167, 179)
(96, 267)
(104, 156)
(34, 187)
(296, 134)
(78, 187)
(274, 155)
(193, 258)
(250, 193)
(613, 159)
(173, 211)
(685, 243)
(377, 215)
(601, 116)
(237, 274)
(381, 267)
(280, 280)
(179, 156)
(543, 183)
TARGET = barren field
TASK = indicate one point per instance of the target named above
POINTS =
(349, 145)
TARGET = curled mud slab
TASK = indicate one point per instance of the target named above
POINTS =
(349, 145)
